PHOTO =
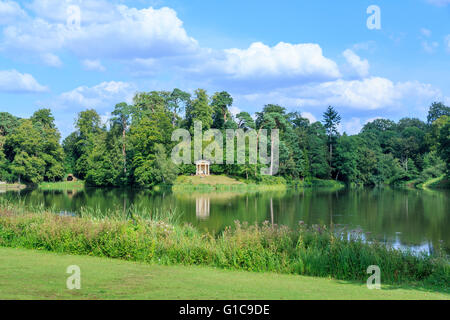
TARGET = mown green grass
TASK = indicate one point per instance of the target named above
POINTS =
(62, 185)
(31, 274)
(220, 183)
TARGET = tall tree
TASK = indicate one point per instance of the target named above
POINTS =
(177, 100)
(121, 117)
(88, 128)
(221, 102)
(331, 121)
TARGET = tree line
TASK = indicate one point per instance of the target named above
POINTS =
(133, 148)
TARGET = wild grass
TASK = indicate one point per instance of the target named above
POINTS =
(155, 238)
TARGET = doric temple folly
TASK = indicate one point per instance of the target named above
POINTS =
(202, 167)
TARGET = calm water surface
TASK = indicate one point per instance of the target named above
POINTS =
(415, 219)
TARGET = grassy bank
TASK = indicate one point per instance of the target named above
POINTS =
(313, 251)
(31, 274)
(62, 185)
(224, 183)
(12, 186)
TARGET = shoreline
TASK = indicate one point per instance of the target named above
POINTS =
(308, 251)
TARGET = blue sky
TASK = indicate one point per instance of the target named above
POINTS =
(304, 55)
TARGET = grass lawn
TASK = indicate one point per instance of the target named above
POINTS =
(220, 183)
(62, 185)
(28, 274)
(208, 180)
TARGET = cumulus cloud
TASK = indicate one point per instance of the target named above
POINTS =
(100, 97)
(93, 65)
(15, 82)
(369, 94)
(235, 111)
(263, 65)
(355, 64)
(120, 33)
(309, 116)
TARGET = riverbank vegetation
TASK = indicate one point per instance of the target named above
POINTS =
(223, 183)
(159, 238)
(62, 185)
(133, 148)
(32, 274)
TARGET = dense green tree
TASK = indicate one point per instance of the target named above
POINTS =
(245, 121)
(437, 110)
(88, 129)
(34, 151)
(444, 140)
(199, 109)
(221, 102)
(317, 151)
(177, 101)
(121, 119)
(156, 169)
(134, 148)
(8, 123)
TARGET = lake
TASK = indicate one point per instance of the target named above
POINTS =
(405, 218)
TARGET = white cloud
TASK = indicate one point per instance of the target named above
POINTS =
(352, 126)
(364, 95)
(93, 65)
(260, 67)
(235, 111)
(51, 60)
(356, 64)
(120, 33)
(10, 11)
(373, 119)
(16, 82)
(309, 116)
(100, 97)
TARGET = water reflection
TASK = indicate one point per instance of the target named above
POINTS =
(414, 219)
(202, 207)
